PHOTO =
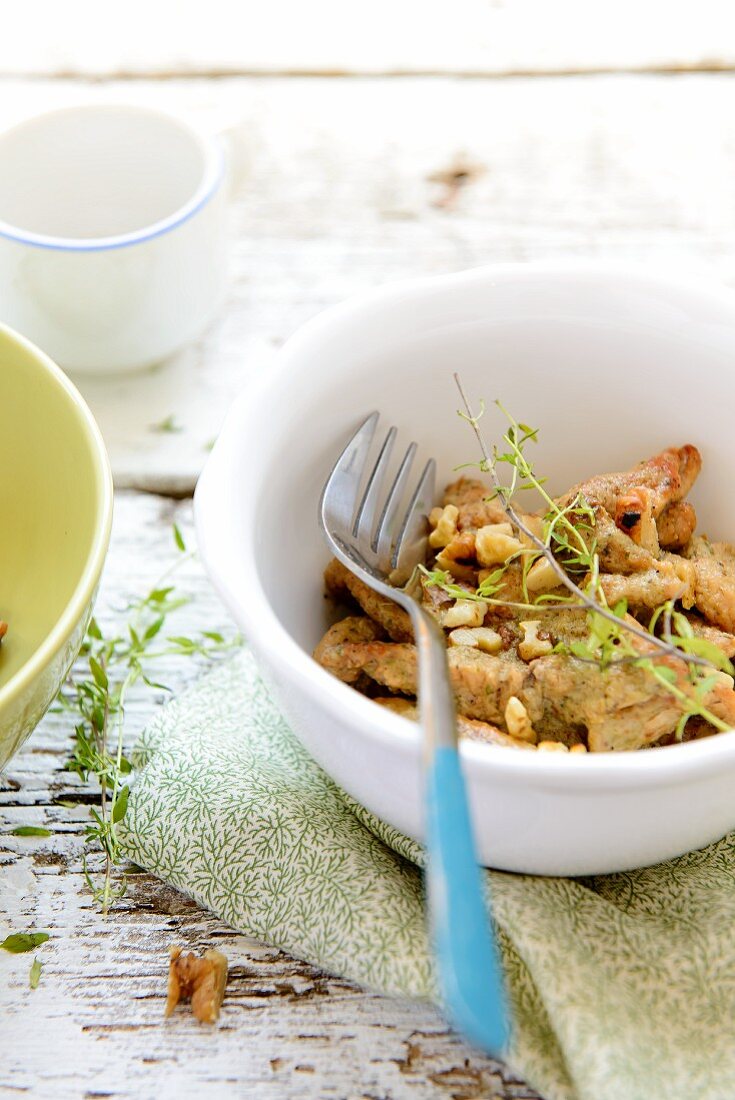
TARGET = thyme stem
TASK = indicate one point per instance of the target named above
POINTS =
(592, 605)
(116, 664)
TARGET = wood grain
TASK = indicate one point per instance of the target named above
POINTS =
(94, 1026)
(179, 37)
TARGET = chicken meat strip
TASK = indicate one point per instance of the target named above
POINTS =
(714, 580)
(665, 580)
(676, 525)
(354, 629)
(621, 707)
(394, 620)
(669, 476)
(392, 664)
(482, 684)
(617, 551)
(721, 638)
(468, 727)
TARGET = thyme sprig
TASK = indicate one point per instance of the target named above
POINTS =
(569, 546)
(484, 593)
(585, 556)
(115, 664)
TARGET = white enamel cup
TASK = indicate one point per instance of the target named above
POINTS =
(112, 234)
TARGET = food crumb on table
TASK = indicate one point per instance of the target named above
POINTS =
(203, 980)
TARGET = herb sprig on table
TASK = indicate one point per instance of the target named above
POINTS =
(684, 665)
(115, 662)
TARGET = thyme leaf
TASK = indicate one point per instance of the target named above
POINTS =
(19, 942)
(34, 976)
(169, 425)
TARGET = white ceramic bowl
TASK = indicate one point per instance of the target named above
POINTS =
(611, 364)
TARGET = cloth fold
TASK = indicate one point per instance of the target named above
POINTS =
(622, 986)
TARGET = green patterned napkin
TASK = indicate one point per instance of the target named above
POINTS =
(623, 987)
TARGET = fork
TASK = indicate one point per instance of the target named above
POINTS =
(379, 541)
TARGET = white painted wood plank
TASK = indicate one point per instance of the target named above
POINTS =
(480, 36)
(95, 1027)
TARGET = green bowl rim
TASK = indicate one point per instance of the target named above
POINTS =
(82, 594)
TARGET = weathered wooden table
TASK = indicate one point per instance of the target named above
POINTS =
(340, 183)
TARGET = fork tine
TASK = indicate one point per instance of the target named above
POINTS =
(411, 542)
(343, 484)
(383, 537)
(365, 515)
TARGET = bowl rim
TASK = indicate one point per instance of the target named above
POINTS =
(666, 765)
(85, 588)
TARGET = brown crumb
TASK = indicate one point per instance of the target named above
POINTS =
(3, 629)
(202, 980)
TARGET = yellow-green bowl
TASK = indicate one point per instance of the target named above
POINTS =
(55, 517)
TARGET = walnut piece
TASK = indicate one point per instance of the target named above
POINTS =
(445, 527)
(532, 646)
(542, 577)
(517, 721)
(479, 637)
(202, 980)
(495, 543)
(464, 613)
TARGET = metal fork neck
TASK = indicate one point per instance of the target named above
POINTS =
(436, 701)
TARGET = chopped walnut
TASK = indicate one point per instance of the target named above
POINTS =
(479, 637)
(532, 645)
(542, 576)
(465, 574)
(202, 980)
(553, 746)
(495, 543)
(464, 613)
(535, 525)
(457, 557)
(517, 721)
(445, 527)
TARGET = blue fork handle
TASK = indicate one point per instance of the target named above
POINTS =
(470, 971)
